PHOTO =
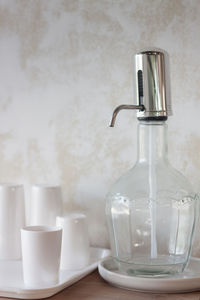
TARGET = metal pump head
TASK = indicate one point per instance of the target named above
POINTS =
(153, 100)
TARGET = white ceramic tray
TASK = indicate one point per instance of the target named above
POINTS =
(187, 281)
(11, 279)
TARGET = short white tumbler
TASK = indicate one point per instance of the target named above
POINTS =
(46, 204)
(41, 248)
(12, 219)
(75, 241)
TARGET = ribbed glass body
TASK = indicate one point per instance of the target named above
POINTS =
(151, 210)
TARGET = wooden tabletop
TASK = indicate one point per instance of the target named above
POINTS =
(94, 287)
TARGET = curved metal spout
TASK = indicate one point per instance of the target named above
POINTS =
(123, 106)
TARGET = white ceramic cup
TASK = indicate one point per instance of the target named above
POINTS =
(75, 241)
(12, 219)
(46, 204)
(41, 248)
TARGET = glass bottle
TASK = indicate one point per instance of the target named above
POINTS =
(151, 210)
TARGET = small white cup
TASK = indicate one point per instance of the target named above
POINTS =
(12, 219)
(46, 204)
(41, 248)
(75, 241)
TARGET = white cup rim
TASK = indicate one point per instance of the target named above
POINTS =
(41, 229)
(72, 216)
(10, 185)
(46, 186)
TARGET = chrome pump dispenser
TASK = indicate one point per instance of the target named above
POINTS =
(153, 87)
(151, 209)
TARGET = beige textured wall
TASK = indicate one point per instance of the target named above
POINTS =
(64, 66)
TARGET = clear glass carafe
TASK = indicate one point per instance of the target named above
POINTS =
(151, 210)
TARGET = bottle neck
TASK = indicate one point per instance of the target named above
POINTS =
(152, 142)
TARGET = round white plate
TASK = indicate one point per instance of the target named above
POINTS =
(187, 281)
